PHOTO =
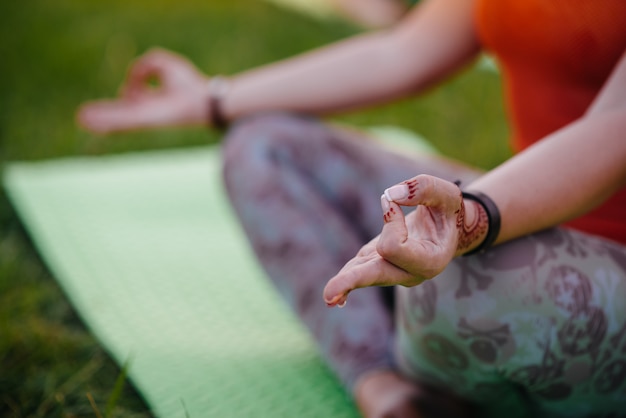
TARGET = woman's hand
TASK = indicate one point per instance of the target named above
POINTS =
(161, 89)
(414, 248)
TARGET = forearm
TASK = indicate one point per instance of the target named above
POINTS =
(563, 176)
(436, 39)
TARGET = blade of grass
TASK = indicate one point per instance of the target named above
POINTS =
(93, 405)
(76, 380)
(117, 389)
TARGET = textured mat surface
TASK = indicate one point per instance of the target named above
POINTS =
(147, 250)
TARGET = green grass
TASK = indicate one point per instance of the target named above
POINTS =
(56, 55)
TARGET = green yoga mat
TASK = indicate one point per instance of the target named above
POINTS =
(149, 253)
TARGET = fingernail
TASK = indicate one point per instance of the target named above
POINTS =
(342, 304)
(384, 203)
(333, 300)
(397, 192)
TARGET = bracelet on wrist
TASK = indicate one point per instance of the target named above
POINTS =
(218, 88)
(493, 217)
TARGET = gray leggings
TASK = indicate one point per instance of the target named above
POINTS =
(533, 327)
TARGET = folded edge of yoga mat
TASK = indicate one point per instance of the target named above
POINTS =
(147, 250)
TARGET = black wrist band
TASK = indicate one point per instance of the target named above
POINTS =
(217, 119)
(218, 88)
(493, 216)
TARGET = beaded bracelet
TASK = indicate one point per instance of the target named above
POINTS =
(493, 217)
(218, 88)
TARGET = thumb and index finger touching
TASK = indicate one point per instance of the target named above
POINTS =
(137, 106)
(155, 65)
(439, 197)
(393, 248)
(125, 112)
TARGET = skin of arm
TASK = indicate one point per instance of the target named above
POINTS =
(569, 172)
(435, 39)
(562, 176)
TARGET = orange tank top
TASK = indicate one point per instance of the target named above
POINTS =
(555, 56)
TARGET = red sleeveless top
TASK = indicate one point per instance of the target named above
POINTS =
(555, 56)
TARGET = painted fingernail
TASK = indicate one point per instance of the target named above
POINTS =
(384, 203)
(397, 192)
(333, 301)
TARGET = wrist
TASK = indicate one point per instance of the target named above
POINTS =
(480, 226)
(473, 227)
(218, 89)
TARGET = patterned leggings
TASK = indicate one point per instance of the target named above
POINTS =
(533, 327)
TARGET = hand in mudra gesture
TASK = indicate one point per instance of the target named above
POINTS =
(414, 248)
(161, 89)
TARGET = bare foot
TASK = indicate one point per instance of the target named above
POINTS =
(386, 394)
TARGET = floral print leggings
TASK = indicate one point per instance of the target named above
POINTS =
(533, 327)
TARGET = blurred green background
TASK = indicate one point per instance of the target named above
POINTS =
(55, 55)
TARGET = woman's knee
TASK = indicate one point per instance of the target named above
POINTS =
(532, 313)
(257, 135)
(249, 148)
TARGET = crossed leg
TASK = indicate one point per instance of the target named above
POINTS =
(308, 197)
(535, 326)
